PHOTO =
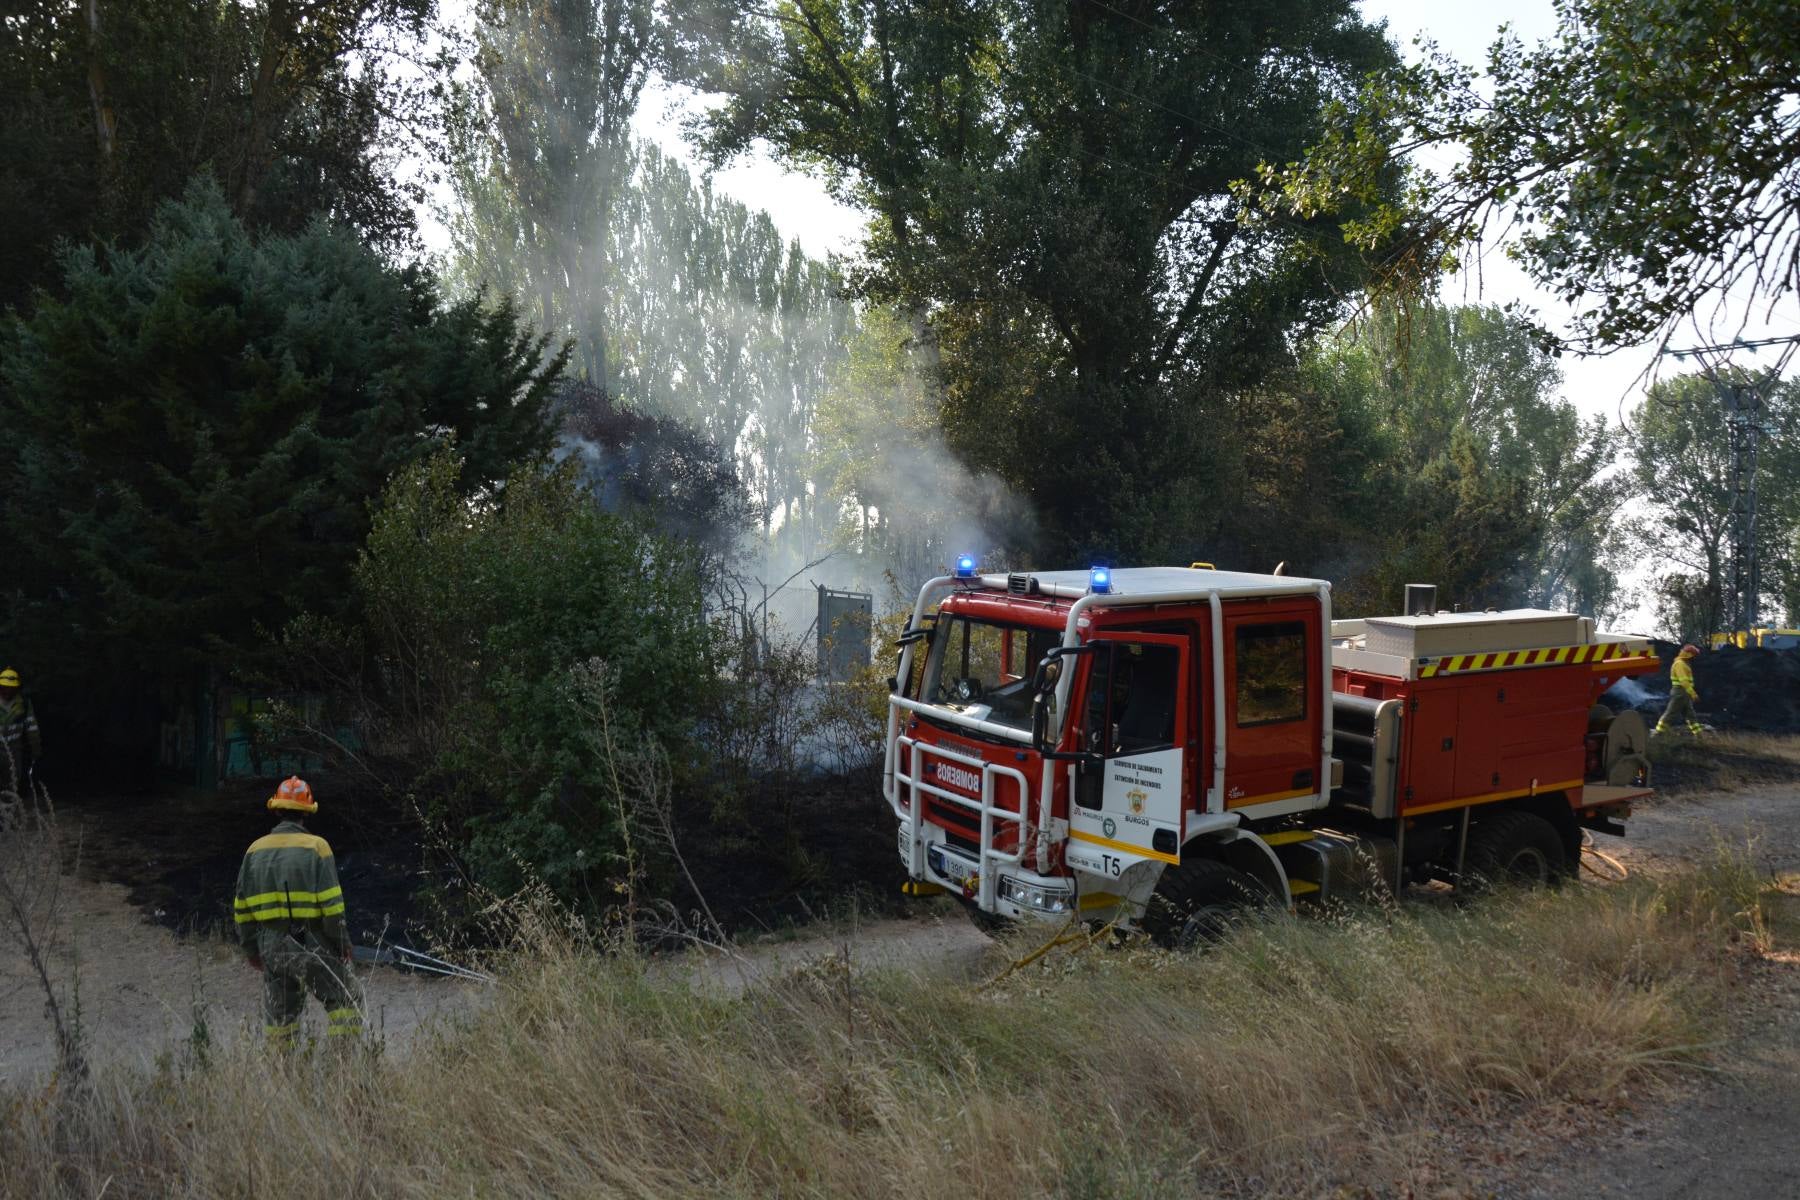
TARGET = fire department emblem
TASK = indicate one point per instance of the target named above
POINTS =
(1136, 797)
(1108, 827)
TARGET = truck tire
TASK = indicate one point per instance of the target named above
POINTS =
(1510, 846)
(1199, 902)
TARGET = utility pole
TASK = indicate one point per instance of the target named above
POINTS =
(1742, 401)
(1743, 415)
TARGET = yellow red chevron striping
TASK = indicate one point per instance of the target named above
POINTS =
(1454, 664)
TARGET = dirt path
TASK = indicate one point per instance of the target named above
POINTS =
(1731, 1135)
(143, 990)
(1731, 1139)
(1674, 832)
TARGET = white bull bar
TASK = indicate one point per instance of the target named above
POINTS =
(910, 758)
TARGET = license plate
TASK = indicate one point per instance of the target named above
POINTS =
(955, 868)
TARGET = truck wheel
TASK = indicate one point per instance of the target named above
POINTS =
(1199, 901)
(1514, 847)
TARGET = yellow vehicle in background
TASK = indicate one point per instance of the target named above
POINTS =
(1765, 638)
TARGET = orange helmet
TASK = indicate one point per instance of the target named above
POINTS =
(1688, 651)
(294, 794)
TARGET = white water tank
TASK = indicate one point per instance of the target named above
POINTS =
(1433, 635)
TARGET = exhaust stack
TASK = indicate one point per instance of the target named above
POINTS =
(1421, 599)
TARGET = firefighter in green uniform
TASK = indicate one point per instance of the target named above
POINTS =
(1681, 693)
(290, 919)
(19, 726)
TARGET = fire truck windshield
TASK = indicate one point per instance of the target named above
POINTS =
(984, 670)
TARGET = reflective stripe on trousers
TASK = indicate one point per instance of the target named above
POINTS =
(1681, 705)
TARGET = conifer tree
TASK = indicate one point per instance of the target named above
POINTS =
(199, 425)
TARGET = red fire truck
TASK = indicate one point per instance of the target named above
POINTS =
(1156, 746)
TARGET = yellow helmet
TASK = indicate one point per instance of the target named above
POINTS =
(294, 794)
(9, 678)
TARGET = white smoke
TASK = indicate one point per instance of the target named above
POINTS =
(1629, 693)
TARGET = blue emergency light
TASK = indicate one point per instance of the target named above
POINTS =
(1100, 580)
(965, 566)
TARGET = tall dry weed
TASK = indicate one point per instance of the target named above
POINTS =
(1299, 1054)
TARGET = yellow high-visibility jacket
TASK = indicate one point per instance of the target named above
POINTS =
(1681, 677)
(288, 884)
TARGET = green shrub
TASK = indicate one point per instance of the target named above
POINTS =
(483, 627)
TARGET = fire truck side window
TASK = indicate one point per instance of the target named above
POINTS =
(1131, 699)
(1271, 673)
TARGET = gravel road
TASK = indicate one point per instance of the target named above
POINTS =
(1734, 1134)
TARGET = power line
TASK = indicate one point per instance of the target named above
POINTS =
(1751, 344)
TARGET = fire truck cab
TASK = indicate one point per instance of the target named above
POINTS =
(1153, 746)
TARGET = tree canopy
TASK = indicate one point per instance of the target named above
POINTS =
(1468, 467)
(198, 426)
(1049, 186)
(540, 145)
(1680, 457)
(1649, 151)
(297, 107)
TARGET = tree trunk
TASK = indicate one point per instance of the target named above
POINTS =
(267, 109)
(105, 124)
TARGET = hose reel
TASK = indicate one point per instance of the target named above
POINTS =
(1624, 760)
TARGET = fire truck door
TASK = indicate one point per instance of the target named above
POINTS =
(1133, 715)
(1273, 722)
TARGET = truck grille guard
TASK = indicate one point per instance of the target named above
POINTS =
(906, 792)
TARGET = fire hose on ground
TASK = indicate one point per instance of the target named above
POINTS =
(406, 958)
(1616, 871)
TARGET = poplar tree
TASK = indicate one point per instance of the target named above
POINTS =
(1049, 184)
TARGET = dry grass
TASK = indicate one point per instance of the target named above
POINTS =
(1303, 1053)
(1724, 761)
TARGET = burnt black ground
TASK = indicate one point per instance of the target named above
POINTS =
(1752, 691)
(177, 852)
(816, 847)
(809, 848)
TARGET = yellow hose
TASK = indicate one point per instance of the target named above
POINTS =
(1616, 872)
(1075, 931)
